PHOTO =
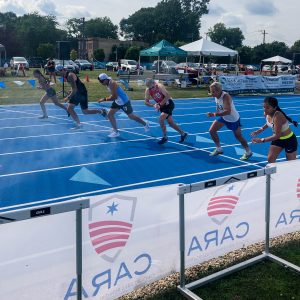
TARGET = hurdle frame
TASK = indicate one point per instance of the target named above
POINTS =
(186, 289)
(33, 212)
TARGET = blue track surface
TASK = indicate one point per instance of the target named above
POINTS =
(43, 161)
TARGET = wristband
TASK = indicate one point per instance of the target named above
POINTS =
(262, 140)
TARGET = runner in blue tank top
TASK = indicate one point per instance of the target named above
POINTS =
(120, 100)
(228, 116)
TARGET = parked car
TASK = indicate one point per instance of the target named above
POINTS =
(83, 64)
(266, 68)
(59, 65)
(283, 69)
(72, 63)
(17, 60)
(131, 66)
(165, 66)
(189, 67)
(112, 66)
(99, 65)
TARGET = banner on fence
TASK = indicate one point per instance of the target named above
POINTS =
(244, 84)
(131, 238)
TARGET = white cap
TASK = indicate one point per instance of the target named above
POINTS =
(103, 76)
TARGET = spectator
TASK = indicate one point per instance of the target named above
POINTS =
(51, 69)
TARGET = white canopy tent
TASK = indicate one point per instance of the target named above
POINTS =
(278, 58)
(204, 47)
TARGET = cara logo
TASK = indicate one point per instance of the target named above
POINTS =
(224, 200)
(110, 225)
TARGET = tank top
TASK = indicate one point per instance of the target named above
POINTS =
(234, 115)
(284, 127)
(157, 95)
(81, 89)
(122, 96)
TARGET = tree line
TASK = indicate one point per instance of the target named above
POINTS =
(178, 21)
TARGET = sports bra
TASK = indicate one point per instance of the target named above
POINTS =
(284, 127)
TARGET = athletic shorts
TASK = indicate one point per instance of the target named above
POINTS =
(290, 145)
(230, 125)
(80, 98)
(127, 108)
(168, 108)
(50, 92)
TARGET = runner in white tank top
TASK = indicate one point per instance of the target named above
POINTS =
(228, 116)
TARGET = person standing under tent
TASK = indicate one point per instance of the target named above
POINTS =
(120, 100)
(228, 116)
(165, 105)
(44, 84)
(77, 96)
(282, 137)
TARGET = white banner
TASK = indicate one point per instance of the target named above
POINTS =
(131, 238)
(244, 84)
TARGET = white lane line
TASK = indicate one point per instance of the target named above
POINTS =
(131, 185)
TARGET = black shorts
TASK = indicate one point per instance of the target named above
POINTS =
(50, 92)
(127, 108)
(80, 98)
(168, 108)
(290, 145)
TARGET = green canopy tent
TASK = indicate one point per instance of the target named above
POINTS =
(162, 48)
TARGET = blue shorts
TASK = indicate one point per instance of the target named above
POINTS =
(230, 125)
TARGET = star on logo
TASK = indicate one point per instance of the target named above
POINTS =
(112, 208)
(230, 188)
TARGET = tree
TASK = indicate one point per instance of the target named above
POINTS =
(33, 29)
(101, 27)
(228, 37)
(171, 20)
(268, 50)
(99, 54)
(246, 55)
(45, 50)
(133, 52)
(73, 54)
(75, 27)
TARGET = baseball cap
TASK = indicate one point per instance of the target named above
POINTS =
(103, 76)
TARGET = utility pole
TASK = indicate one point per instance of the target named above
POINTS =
(83, 38)
(264, 35)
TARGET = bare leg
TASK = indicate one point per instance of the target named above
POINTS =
(213, 132)
(43, 107)
(137, 119)
(239, 137)
(273, 153)
(57, 103)
(174, 125)
(162, 119)
(291, 156)
(112, 119)
(72, 113)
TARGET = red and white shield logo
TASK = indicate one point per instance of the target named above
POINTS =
(110, 225)
(224, 200)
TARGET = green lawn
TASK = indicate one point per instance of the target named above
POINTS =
(14, 94)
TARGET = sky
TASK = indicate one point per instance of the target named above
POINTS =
(278, 18)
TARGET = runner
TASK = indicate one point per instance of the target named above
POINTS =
(165, 105)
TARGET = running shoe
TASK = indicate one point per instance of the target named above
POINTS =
(43, 117)
(162, 140)
(147, 127)
(216, 152)
(103, 113)
(77, 127)
(183, 137)
(114, 134)
(246, 156)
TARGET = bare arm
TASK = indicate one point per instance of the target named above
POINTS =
(147, 98)
(114, 94)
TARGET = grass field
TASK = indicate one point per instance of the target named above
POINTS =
(15, 94)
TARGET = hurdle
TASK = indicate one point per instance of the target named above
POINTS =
(56, 208)
(186, 289)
